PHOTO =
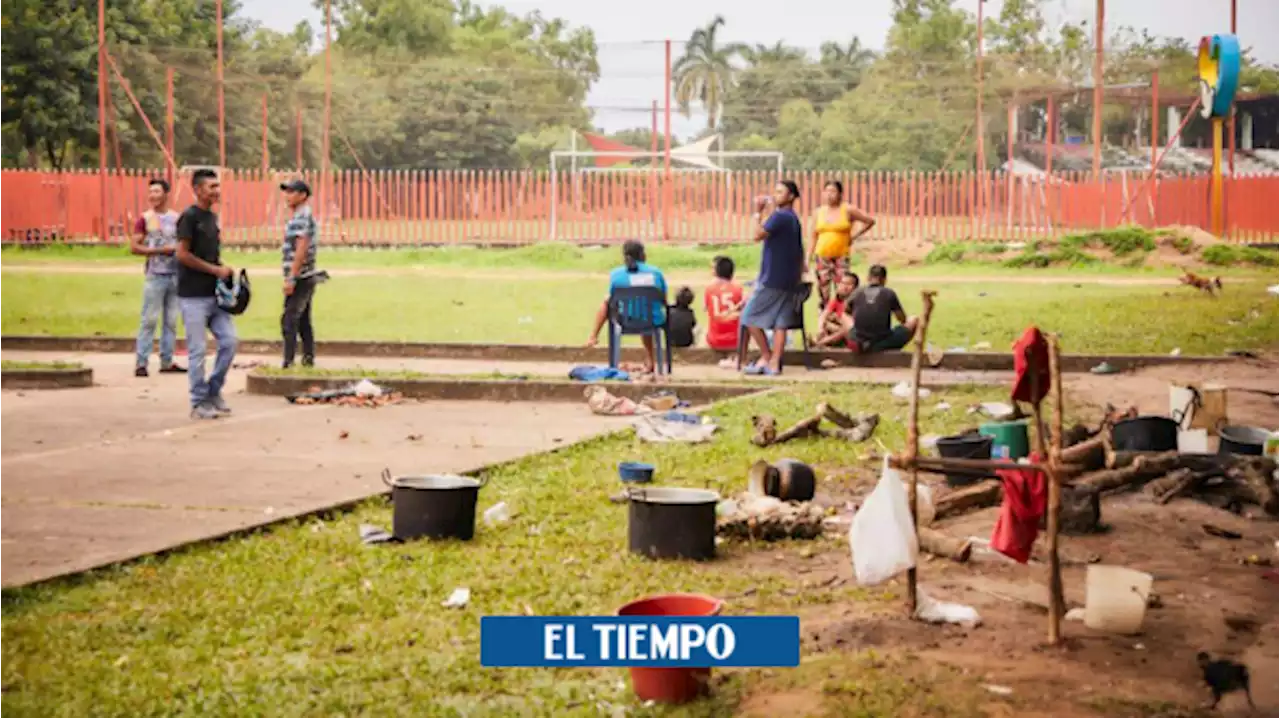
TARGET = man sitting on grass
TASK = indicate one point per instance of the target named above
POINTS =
(633, 273)
(836, 322)
(873, 306)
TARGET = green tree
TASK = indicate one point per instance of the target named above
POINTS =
(704, 72)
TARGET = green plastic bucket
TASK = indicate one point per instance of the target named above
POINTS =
(1009, 439)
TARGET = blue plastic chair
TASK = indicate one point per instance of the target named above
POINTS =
(639, 311)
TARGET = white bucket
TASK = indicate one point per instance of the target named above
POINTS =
(1116, 599)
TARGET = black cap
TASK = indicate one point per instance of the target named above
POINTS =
(296, 185)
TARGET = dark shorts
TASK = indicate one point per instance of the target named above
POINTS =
(897, 338)
(772, 309)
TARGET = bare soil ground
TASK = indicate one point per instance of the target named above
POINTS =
(1209, 599)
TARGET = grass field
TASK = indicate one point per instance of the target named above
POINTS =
(304, 620)
(567, 258)
(543, 308)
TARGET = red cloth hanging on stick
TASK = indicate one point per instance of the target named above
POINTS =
(1030, 354)
(1025, 499)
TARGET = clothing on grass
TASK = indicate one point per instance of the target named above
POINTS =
(200, 228)
(160, 230)
(835, 236)
(1030, 367)
(723, 315)
(680, 324)
(771, 308)
(301, 224)
(198, 314)
(295, 321)
(873, 308)
(598, 373)
(782, 258)
(1025, 492)
(159, 304)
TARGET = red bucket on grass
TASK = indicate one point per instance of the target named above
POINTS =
(671, 685)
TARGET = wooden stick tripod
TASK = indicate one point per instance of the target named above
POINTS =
(1051, 465)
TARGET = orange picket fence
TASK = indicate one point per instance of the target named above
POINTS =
(506, 207)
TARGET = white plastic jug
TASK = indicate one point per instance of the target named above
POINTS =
(1116, 599)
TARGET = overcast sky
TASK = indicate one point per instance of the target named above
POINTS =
(631, 53)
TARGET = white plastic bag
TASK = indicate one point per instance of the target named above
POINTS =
(882, 539)
(931, 610)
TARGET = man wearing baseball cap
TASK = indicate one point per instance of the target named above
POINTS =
(299, 260)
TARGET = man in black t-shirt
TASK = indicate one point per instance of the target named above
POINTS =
(200, 267)
(873, 306)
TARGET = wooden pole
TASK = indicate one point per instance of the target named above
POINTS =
(222, 108)
(297, 151)
(913, 430)
(266, 153)
(1098, 39)
(1231, 118)
(102, 120)
(328, 99)
(168, 124)
(979, 125)
(1057, 604)
(1155, 116)
(666, 156)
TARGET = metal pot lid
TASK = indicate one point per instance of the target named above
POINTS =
(435, 481)
(674, 496)
(1245, 434)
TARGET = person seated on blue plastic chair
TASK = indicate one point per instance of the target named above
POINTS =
(633, 273)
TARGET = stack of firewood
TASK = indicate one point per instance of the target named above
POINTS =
(855, 429)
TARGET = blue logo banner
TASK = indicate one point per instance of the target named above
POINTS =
(650, 641)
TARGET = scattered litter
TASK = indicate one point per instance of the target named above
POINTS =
(459, 598)
(598, 373)
(414, 437)
(343, 434)
(1138, 647)
(362, 394)
(1075, 614)
(995, 409)
(524, 320)
(934, 355)
(998, 690)
(766, 518)
(168, 432)
(663, 428)
(727, 363)
(827, 364)
(931, 611)
(605, 404)
(902, 390)
(957, 350)
(1177, 352)
(664, 401)
(1103, 368)
(882, 538)
(269, 510)
(496, 514)
(981, 346)
(371, 534)
(1274, 289)
(252, 364)
(942, 406)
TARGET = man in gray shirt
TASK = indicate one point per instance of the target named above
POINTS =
(872, 307)
(155, 237)
(298, 256)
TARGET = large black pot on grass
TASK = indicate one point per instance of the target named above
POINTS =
(434, 506)
(672, 523)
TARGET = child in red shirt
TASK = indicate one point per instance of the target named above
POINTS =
(723, 300)
(836, 321)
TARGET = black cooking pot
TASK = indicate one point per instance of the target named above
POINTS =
(1248, 440)
(436, 507)
(672, 523)
(786, 479)
(965, 446)
(1145, 433)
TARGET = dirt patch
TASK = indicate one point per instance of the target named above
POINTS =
(1210, 599)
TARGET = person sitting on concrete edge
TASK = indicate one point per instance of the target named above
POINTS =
(874, 305)
(681, 320)
(835, 324)
(633, 273)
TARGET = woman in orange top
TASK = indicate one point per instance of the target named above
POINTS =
(833, 237)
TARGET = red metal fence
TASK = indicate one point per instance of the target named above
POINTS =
(516, 207)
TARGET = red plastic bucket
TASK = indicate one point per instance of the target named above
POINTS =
(671, 685)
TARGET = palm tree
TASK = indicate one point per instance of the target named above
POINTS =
(853, 55)
(704, 72)
(761, 54)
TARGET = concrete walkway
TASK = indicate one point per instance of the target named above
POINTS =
(95, 476)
